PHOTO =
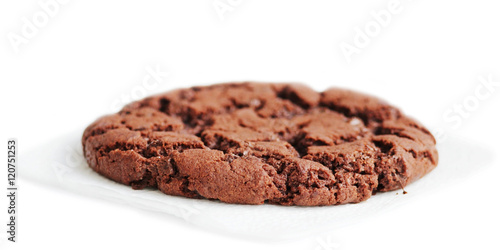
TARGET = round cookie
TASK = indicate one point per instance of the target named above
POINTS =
(252, 143)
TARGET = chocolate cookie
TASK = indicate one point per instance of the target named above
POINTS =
(253, 143)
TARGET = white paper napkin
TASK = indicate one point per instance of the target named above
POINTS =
(60, 162)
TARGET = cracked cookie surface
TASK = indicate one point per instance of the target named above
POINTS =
(251, 143)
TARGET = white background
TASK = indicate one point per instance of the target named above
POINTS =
(90, 56)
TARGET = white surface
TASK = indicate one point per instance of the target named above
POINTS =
(91, 55)
(60, 163)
